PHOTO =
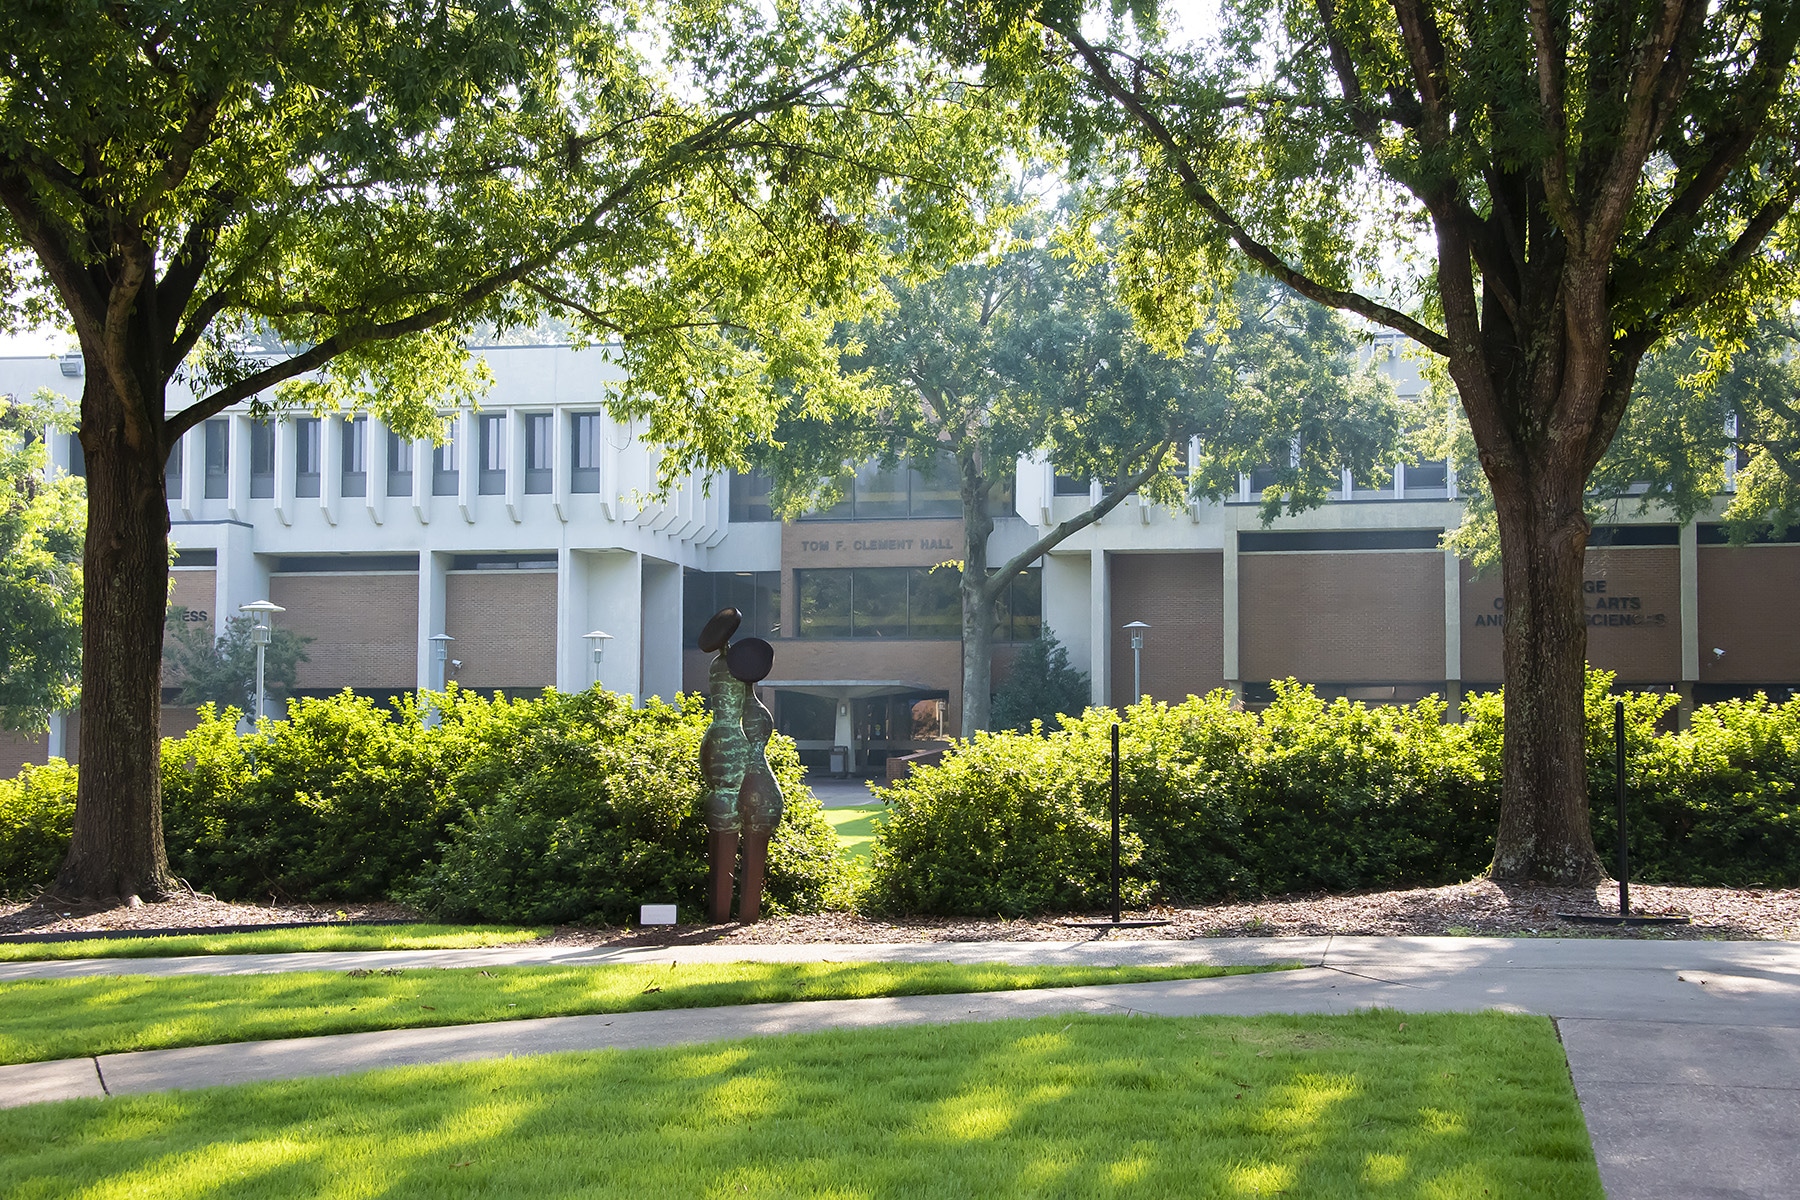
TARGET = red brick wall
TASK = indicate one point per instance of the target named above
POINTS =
(1182, 598)
(1374, 617)
(365, 628)
(504, 623)
(1747, 600)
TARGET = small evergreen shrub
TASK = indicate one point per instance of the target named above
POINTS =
(37, 816)
(1040, 686)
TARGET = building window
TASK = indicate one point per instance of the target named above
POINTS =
(262, 460)
(584, 452)
(1069, 485)
(750, 496)
(913, 603)
(353, 478)
(306, 456)
(1019, 612)
(172, 471)
(935, 491)
(77, 456)
(218, 458)
(880, 492)
(445, 478)
(399, 465)
(756, 594)
(491, 479)
(540, 451)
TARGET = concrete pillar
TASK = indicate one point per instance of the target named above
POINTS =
(375, 467)
(468, 463)
(1099, 628)
(662, 629)
(614, 603)
(284, 469)
(434, 579)
(1228, 609)
(331, 466)
(1066, 606)
(237, 466)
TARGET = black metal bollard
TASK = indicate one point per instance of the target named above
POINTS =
(1619, 788)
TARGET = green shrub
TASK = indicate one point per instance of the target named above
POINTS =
(37, 815)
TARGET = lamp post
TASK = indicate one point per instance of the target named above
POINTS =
(440, 653)
(1137, 655)
(261, 634)
(597, 643)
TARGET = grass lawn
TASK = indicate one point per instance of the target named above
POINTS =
(65, 1018)
(855, 828)
(281, 941)
(1378, 1104)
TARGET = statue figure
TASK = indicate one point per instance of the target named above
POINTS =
(724, 757)
(759, 797)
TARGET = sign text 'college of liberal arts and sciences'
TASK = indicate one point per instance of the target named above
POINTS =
(1604, 610)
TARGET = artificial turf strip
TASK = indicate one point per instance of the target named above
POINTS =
(282, 941)
(1376, 1104)
(44, 1019)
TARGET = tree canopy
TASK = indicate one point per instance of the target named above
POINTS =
(41, 527)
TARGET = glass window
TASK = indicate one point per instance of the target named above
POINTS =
(172, 471)
(878, 603)
(1069, 485)
(218, 458)
(935, 602)
(806, 718)
(1000, 499)
(927, 720)
(584, 452)
(936, 491)
(445, 478)
(750, 496)
(353, 476)
(540, 453)
(880, 492)
(824, 609)
(1431, 478)
(843, 510)
(77, 456)
(1025, 601)
(306, 456)
(399, 465)
(262, 460)
(491, 480)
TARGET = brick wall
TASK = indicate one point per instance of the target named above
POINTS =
(194, 590)
(365, 628)
(1369, 617)
(1747, 598)
(1181, 597)
(1633, 598)
(504, 623)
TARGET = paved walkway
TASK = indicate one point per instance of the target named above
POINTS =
(1685, 1055)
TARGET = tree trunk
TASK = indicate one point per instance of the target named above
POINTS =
(977, 605)
(118, 845)
(1544, 833)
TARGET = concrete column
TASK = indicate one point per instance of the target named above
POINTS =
(515, 465)
(1690, 617)
(1228, 613)
(574, 665)
(468, 463)
(284, 469)
(661, 629)
(375, 468)
(56, 744)
(237, 475)
(562, 461)
(614, 603)
(1099, 628)
(331, 466)
(434, 579)
(424, 463)
(1066, 606)
(193, 469)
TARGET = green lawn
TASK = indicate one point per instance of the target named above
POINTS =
(282, 941)
(855, 828)
(66, 1018)
(1379, 1104)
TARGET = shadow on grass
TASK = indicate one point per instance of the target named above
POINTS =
(1376, 1104)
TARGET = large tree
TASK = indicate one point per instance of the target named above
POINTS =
(1028, 350)
(361, 182)
(1589, 176)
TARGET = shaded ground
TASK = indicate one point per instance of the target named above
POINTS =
(1479, 907)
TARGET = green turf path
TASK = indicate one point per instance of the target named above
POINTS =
(282, 941)
(855, 828)
(66, 1018)
(1378, 1104)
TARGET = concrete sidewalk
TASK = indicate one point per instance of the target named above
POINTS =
(1685, 1055)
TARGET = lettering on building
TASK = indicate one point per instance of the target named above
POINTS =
(1604, 610)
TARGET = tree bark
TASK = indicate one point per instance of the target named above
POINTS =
(1544, 833)
(118, 849)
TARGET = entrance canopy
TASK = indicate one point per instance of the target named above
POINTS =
(848, 689)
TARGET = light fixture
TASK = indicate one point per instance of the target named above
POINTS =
(440, 653)
(597, 643)
(1137, 654)
(261, 634)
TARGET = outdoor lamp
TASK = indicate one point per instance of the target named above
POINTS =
(597, 643)
(440, 652)
(261, 634)
(1137, 653)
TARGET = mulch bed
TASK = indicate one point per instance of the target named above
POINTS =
(1476, 908)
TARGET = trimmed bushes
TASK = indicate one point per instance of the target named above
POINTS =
(1310, 795)
(563, 808)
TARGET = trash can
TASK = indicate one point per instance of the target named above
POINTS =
(840, 760)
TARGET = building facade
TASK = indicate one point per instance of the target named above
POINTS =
(529, 529)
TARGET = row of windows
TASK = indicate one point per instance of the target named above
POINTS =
(538, 431)
(756, 594)
(908, 603)
(872, 493)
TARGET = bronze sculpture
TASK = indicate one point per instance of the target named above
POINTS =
(743, 799)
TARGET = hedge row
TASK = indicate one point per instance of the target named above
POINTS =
(565, 808)
(1310, 795)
